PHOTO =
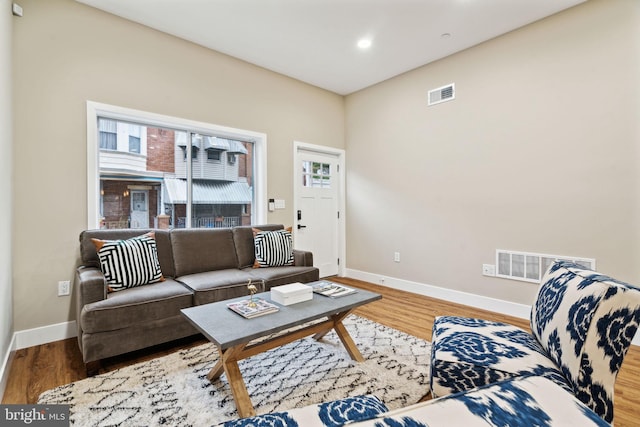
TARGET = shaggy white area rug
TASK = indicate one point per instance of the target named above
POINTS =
(174, 391)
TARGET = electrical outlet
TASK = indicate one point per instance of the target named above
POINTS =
(64, 288)
(396, 256)
(488, 270)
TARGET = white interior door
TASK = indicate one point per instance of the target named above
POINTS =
(317, 207)
(139, 209)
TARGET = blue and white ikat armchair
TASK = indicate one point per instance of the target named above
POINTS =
(582, 325)
(518, 402)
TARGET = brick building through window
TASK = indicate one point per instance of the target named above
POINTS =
(143, 177)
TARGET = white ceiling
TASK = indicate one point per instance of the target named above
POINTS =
(315, 40)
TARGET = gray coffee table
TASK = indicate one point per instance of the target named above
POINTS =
(233, 334)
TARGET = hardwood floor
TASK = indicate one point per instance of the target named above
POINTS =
(40, 368)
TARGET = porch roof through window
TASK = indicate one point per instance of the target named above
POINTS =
(208, 192)
(230, 145)
(181, 140)
(212, 143)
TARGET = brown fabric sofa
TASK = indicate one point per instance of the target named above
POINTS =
(200, 266)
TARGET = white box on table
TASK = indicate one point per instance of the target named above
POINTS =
(291, 294)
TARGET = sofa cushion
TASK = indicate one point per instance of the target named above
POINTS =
(243, 240)
(213, 286)
(96, 346)
(129, 263)
(586, 321)
(468, 353)
(276, 276)
(129, 307)
(196, 250)
(273, 248)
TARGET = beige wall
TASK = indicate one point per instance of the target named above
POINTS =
(538, 152)
(6, 311)
(66, 53)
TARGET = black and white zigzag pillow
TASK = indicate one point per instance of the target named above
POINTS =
(273, 248)
(129, 263)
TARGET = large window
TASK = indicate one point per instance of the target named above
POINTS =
(140, 175)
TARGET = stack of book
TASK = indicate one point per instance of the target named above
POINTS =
(330, 289)
(251, 309)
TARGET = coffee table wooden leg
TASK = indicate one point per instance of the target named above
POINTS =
(344, 336)
(228, 363)
(336, 318)
(239, 389)
(216, 371)
(347, 342)
(218, 368)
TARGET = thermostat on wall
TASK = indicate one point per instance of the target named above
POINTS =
(17, 9)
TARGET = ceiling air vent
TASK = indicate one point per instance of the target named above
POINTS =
(442, 94)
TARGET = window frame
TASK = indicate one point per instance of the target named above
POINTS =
(218, 156)
(135, 138)
(97, 109)
(114, 136)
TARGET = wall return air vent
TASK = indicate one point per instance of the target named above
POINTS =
(530, 267)
(442, 94)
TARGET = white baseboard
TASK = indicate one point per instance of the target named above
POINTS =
(6, 364)
(45, 334)
(30, 338)
(486, 303)
(500, 306)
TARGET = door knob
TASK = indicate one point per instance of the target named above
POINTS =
(301, 226)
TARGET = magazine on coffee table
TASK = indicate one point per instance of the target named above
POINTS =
(246, 309)
(331, 289)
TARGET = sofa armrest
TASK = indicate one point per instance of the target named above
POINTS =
(90, 286)
(302, 258)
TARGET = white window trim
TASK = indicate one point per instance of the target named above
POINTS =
(96, 109)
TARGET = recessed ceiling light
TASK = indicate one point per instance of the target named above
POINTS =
(364, 43)
(445, 35)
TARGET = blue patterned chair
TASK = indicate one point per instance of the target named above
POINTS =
(522, 401)
(582, 323)
(334, 414)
